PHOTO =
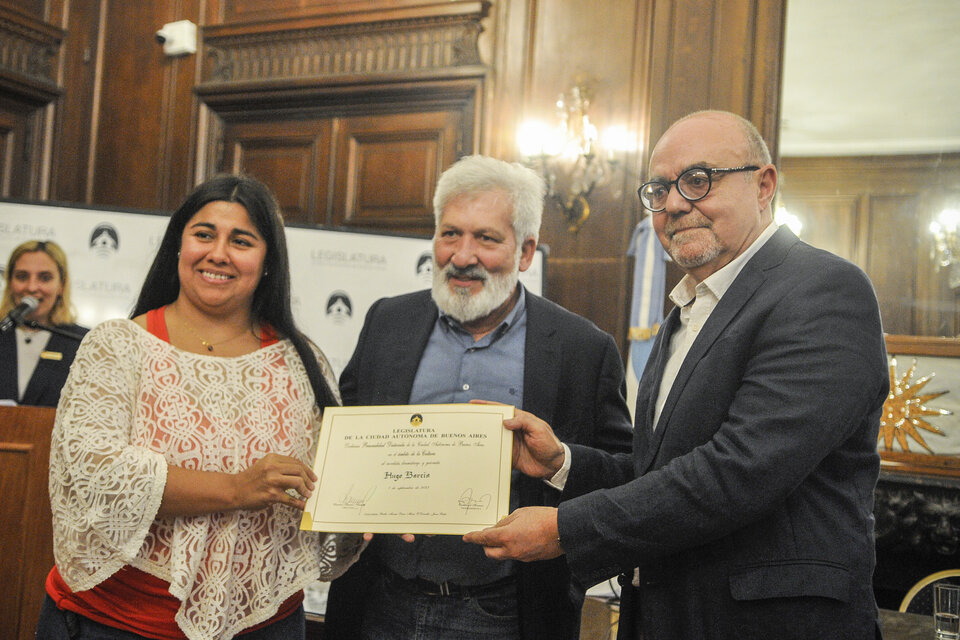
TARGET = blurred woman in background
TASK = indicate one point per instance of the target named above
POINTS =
(34, 363)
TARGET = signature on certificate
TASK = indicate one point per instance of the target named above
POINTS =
(468, 503)
(355, 499)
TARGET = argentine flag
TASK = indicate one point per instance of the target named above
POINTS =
(646, 308)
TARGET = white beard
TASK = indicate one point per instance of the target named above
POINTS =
(460, 304)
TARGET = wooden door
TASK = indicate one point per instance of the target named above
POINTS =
(388, 166)
(292, 157)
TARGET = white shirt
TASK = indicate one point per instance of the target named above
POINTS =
(30, 344)
(697, 301)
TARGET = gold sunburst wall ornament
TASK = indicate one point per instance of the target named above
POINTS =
(905, 409)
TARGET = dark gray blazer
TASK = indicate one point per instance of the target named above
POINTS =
(573, 378)
(748, 510)
(48, 378)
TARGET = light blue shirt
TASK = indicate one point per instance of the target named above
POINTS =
(455, 368)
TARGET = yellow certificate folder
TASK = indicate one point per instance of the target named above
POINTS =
(423, 469)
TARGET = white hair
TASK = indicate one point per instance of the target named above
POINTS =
(472, 175)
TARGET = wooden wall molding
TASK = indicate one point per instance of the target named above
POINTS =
(435, 41)
(876, 211)
(28, 55)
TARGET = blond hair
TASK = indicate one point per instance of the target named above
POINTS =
(62, 312)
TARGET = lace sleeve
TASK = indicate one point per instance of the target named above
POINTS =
(327, 371)
(338, 550)
(338, 553)
(104, 492)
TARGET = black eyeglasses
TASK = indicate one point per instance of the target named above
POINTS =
(693, 184)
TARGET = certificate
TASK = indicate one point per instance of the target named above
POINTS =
(426, 469)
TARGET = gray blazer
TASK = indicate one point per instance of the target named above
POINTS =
(573, 378)
(748, 510)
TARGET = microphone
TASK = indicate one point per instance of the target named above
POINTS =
(27, 306)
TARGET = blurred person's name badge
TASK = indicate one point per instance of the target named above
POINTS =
(422, 469)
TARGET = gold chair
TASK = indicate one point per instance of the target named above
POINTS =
(919, 598)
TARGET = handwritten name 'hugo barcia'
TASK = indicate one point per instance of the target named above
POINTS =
(405, 475)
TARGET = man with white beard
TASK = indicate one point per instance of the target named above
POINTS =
(478, 335)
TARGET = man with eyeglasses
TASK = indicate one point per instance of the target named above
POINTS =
(745, 510)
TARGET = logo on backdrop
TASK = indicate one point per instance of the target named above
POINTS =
(21, 231)
(339, 307)
(425, 268)
(113, 289)
(104, 241)
(351, 259)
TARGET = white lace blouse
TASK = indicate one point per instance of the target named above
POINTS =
(134, 404)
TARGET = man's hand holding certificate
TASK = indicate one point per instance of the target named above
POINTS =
(422, 469)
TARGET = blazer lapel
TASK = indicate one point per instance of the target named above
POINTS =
(541, 363)
(403, 347)
(38, 388)
(645, 438)
(8, 364)
(736, 297)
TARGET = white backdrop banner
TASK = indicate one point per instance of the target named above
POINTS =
(335, 275)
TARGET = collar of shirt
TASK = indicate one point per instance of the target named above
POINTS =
(697, 301)
(718, 283)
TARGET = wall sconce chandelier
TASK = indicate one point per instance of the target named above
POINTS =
(945, 230)
(570, 155)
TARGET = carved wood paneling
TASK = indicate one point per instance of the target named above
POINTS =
(397, 84)
(255, 10)
(552, 46)
(370, 191)
(723, 54)
(876, 211)
(894, 258)
(28, 54)
(29, 51)
(33, 8)
(8, 137)
(584, 285)
(293, 157)
(20, 162)
(428, 40)
(71, 173)
(830, 222)
(246, 10)
(329, 167)
(144, 122)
